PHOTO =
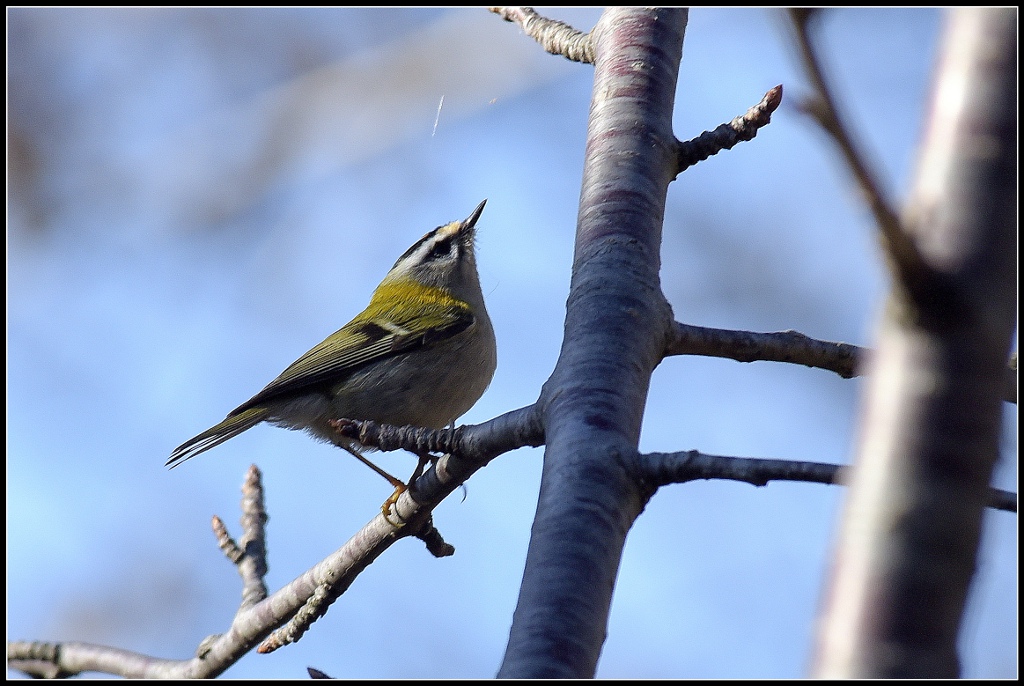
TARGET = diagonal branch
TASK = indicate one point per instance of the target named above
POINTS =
(304, 600)
(726, 136)
(931, 416)
(554, 36)
(62, 660)
(905, 259)
(466, 448)
(308, 597)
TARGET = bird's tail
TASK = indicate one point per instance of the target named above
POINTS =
(229, 428)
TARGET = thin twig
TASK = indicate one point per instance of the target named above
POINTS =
(314, 608)
(225, 542)
(249, 556)
(667, 468)
(778, 346)
(325, 594)
(845, 359)
(554, 36)
(435, 543)
(253, 567)
(306, 598)
(61, 660)
(742, 128)
(911, 270)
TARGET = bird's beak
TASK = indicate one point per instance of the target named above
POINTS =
(470, 221)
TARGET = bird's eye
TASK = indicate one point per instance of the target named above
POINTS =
(440, 249)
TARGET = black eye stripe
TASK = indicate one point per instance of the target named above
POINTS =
(416, 246)
(441, 248)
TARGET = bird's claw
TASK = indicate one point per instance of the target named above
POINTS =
(391, 503)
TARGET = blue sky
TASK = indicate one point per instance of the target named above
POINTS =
(196, 197)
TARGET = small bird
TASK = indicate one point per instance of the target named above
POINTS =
(420, 354)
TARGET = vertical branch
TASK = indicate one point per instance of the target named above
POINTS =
(930, 426)
(617, 325)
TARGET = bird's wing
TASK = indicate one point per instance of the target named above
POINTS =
(362, 341)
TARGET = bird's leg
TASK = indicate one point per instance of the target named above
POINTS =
(391, 480)
(400, 487)
(424, 458)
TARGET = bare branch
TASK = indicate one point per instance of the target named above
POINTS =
(324, 583)
(60, 660)
(307, 598)
(313, 609)
(726, 136)
(845, 359)
(554, 36)
(316, 606)
(52, 660)
(468, 446)
(431, 537)
(658, 469)
(616, 324)
(690, 465)
(467, 449)
(227, 545)
(909, 266)
(250, 557)
(931, 419)
(1002, 500)
(673, 468)
(253, 566)
(779, 346)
